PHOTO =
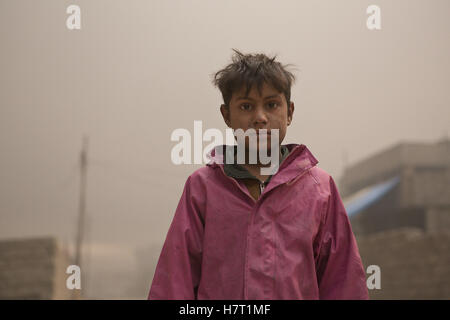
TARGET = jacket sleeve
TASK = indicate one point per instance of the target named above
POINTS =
(340, 272)
(177, 274)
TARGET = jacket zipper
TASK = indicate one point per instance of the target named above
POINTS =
(255, 202)
(261, 188)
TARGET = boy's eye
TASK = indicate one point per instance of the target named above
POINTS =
(272, 105)
(245, 106)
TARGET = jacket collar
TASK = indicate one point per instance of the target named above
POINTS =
(235, 170)
(299, 160)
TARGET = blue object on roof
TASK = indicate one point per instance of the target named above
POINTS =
(368, 196)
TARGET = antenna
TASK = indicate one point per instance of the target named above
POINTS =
(81, 207)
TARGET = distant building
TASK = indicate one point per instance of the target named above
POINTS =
(421, 198)
(33, 269)
(398, 202)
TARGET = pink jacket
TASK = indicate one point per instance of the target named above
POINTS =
(295, 242)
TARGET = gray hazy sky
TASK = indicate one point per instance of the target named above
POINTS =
(137, 70)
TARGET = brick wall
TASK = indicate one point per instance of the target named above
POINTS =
(33, 269)
(414, 264)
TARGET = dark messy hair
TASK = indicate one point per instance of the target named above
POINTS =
(250, 69)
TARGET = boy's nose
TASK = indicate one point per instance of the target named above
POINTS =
(260, 118)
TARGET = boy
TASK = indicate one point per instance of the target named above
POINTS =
(241, 234)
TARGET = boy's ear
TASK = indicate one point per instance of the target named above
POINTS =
(225, 114)
(290, 113)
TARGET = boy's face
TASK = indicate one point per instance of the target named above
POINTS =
(268, 111)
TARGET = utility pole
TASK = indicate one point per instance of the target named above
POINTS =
(81, 210)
